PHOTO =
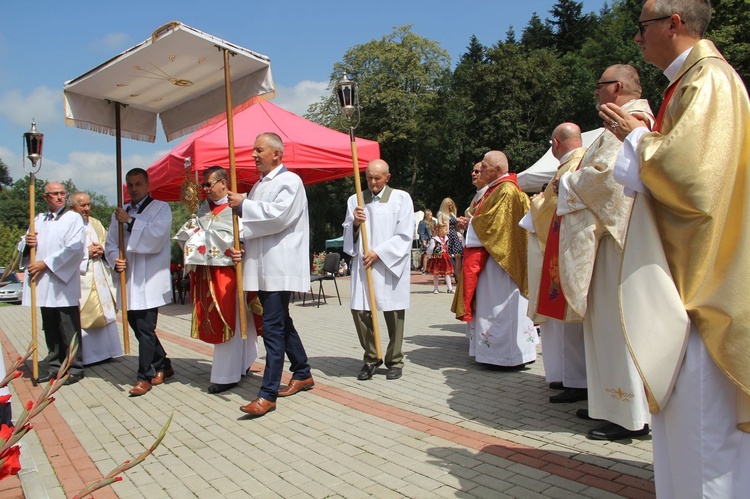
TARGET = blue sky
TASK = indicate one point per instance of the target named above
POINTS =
(45, 43)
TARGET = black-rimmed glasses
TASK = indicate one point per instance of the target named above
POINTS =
(642, 24)
(476, 172)
(600, 84)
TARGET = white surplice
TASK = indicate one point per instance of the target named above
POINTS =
(276, 232)
(148, 251)
(61, 245)
(389, 228)
(99, 343)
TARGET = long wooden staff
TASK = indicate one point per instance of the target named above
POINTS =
(121, 232)
(365, 248)
(32, 282)
(233, 187)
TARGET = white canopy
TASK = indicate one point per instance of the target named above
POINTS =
(534, 177)
(177, 74)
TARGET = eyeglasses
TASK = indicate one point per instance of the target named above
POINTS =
(476, 171)
(642, 24)
(600, 84)
(208, 185)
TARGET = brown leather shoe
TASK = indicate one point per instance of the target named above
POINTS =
(297, 385)
(140, 388)
(258, 407)
(160, 376)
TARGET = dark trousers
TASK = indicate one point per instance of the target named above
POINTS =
(279, 338)
(61, 325)
(151, 355)
(394, 320)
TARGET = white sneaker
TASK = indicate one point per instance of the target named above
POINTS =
(435, 291)
(450, 291)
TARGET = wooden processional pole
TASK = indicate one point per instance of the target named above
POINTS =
(365, 248)
(121, 232)
(233, 187)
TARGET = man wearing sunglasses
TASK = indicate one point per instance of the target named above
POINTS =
(207, 242)
(691, 175)
(594, 216)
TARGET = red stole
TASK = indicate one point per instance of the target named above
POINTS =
(667, 97)
(551, 301)
(475, 259)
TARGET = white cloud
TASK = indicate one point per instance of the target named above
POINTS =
(112, 41)
(89, 170)
(43, 104)
(298, 98)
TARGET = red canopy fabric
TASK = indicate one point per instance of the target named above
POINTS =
(316, 153)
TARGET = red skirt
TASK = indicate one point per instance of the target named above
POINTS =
(442, 265)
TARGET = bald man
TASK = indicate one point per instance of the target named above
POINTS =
(595, 214)
(388, 215)
(492, 294)
(561, 328)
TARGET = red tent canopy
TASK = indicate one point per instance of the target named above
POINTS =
(316, 153)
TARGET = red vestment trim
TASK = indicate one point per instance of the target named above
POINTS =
(551, 302)
(667, 97)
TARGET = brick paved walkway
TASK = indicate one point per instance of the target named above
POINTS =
(448, 428)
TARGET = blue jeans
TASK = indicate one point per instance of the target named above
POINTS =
(279, 338)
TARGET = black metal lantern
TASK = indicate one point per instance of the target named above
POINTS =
(33, 141)
(348, 99)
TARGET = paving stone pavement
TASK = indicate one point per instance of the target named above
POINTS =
(448, 428)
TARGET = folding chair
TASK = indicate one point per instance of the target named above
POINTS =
(330, 268)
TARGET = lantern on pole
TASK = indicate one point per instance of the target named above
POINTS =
(347, 94)
(32, 143)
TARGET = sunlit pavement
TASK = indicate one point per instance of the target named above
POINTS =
(448, 428)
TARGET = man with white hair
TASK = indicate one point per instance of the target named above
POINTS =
(100, 340)
(492, 294)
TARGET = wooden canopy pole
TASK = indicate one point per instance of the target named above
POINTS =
(241, 304)
(121, 231)
(365, 248)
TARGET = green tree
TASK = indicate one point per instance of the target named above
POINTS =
(5, 178)
(398, 77)
(729, 30)
(9, 237)
(571, 26)
(537, 34)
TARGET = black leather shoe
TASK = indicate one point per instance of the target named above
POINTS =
(44, 378)
(570, 395)
(73, 379)
(366, 372)
(557, 385)
(584, 414)
(394, 373)
(221, 387)
(612, 431)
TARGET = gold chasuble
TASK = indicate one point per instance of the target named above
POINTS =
(544, 280)
(495, 223)
(696, 168)
(607, 211)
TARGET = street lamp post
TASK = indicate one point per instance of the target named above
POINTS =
(348, 100)
(33, 141)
